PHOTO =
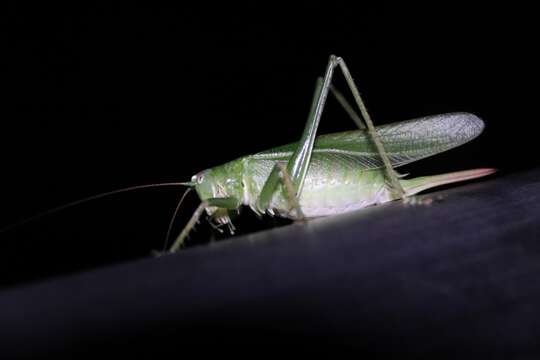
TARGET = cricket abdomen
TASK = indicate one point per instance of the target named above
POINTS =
(330, 187)
(343, 192)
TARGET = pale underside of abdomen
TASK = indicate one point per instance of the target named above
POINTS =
(330, 188)
(339, 193)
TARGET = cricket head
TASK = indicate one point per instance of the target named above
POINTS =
(223, 181)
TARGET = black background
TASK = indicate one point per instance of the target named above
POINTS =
(104, 97)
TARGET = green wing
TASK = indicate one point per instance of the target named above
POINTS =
(405, 141)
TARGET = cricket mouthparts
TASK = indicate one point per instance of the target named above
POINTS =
(414, 186)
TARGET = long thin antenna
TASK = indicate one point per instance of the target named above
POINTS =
(90, 198)
(171, 223)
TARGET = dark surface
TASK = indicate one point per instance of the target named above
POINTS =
(458, 277)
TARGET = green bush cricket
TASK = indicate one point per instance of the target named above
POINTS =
(323, 175)
(334, 173)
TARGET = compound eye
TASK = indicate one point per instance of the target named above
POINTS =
(200, 178)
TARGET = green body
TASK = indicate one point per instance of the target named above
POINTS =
(335, 173)
(345, 171)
